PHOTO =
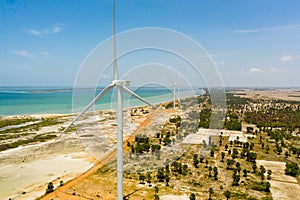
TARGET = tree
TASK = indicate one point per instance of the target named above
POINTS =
(236, 180)
(262, 169)
(269, 174)
(192, 196)
(223, 156)
(161, 175)
(149, 179)
(286, 154)
(226, 147)
(251, 157)
(251, 146)
(234, 153)
(211, 191)
(156, 189)
(167, 180)
(184, 169)
(254, 167)
(206, 163)
(212, 153)
(268, 185)
(209, 169)
(279, 150)
(245, 172)
(292, 169)
(215, 173)
(201, 158)
(244, 152)
(196, 161)
(142, 178)
(156, 197)
(227, 194)
(50, 188)
(229, 162)
(262, 173)
(157, 135)
(267, 149)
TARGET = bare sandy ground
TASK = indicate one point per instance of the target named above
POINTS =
(174, 197)
(284, 94)
(283, 187)
(203, 134)
(18, 178)
(25, 171)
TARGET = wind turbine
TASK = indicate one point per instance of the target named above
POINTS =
(174, 93)
(121, 87)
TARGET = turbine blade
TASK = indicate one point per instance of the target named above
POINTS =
(101, 94)
(115, 61)
(135, 95)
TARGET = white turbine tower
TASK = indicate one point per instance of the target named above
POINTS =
(121, 87)
(175, 96)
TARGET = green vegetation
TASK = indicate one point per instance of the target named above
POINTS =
(27, 134)
(37, 138)
(14, 121)
(34, 127)
(292, 169)
(221, 168)
(50, 188)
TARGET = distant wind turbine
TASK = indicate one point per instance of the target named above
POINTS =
(175, 96)
(121, 87)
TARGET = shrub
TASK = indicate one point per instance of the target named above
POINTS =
(292, 169)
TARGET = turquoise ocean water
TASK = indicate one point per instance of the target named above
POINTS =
(59, 100)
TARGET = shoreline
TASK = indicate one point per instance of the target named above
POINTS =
(33, 157)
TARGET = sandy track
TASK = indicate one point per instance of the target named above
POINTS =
(283, 187)
(60, 192)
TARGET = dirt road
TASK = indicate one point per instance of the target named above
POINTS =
(60, 193)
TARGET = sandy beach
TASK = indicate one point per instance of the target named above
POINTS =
(26, 170)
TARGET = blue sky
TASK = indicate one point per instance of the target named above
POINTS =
(254, 43)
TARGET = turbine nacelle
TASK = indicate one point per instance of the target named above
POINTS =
(120, 83)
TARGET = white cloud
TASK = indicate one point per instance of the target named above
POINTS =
(56, 29)
(264, 29)
(278, 69)
(255, 69)
(23, 53)
(53, 30)
(248, 31)
(45, 53)
(34, 32)
(286, 58)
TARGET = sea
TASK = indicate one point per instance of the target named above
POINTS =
(23, 100)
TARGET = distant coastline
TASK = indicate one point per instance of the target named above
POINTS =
(26, 100)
